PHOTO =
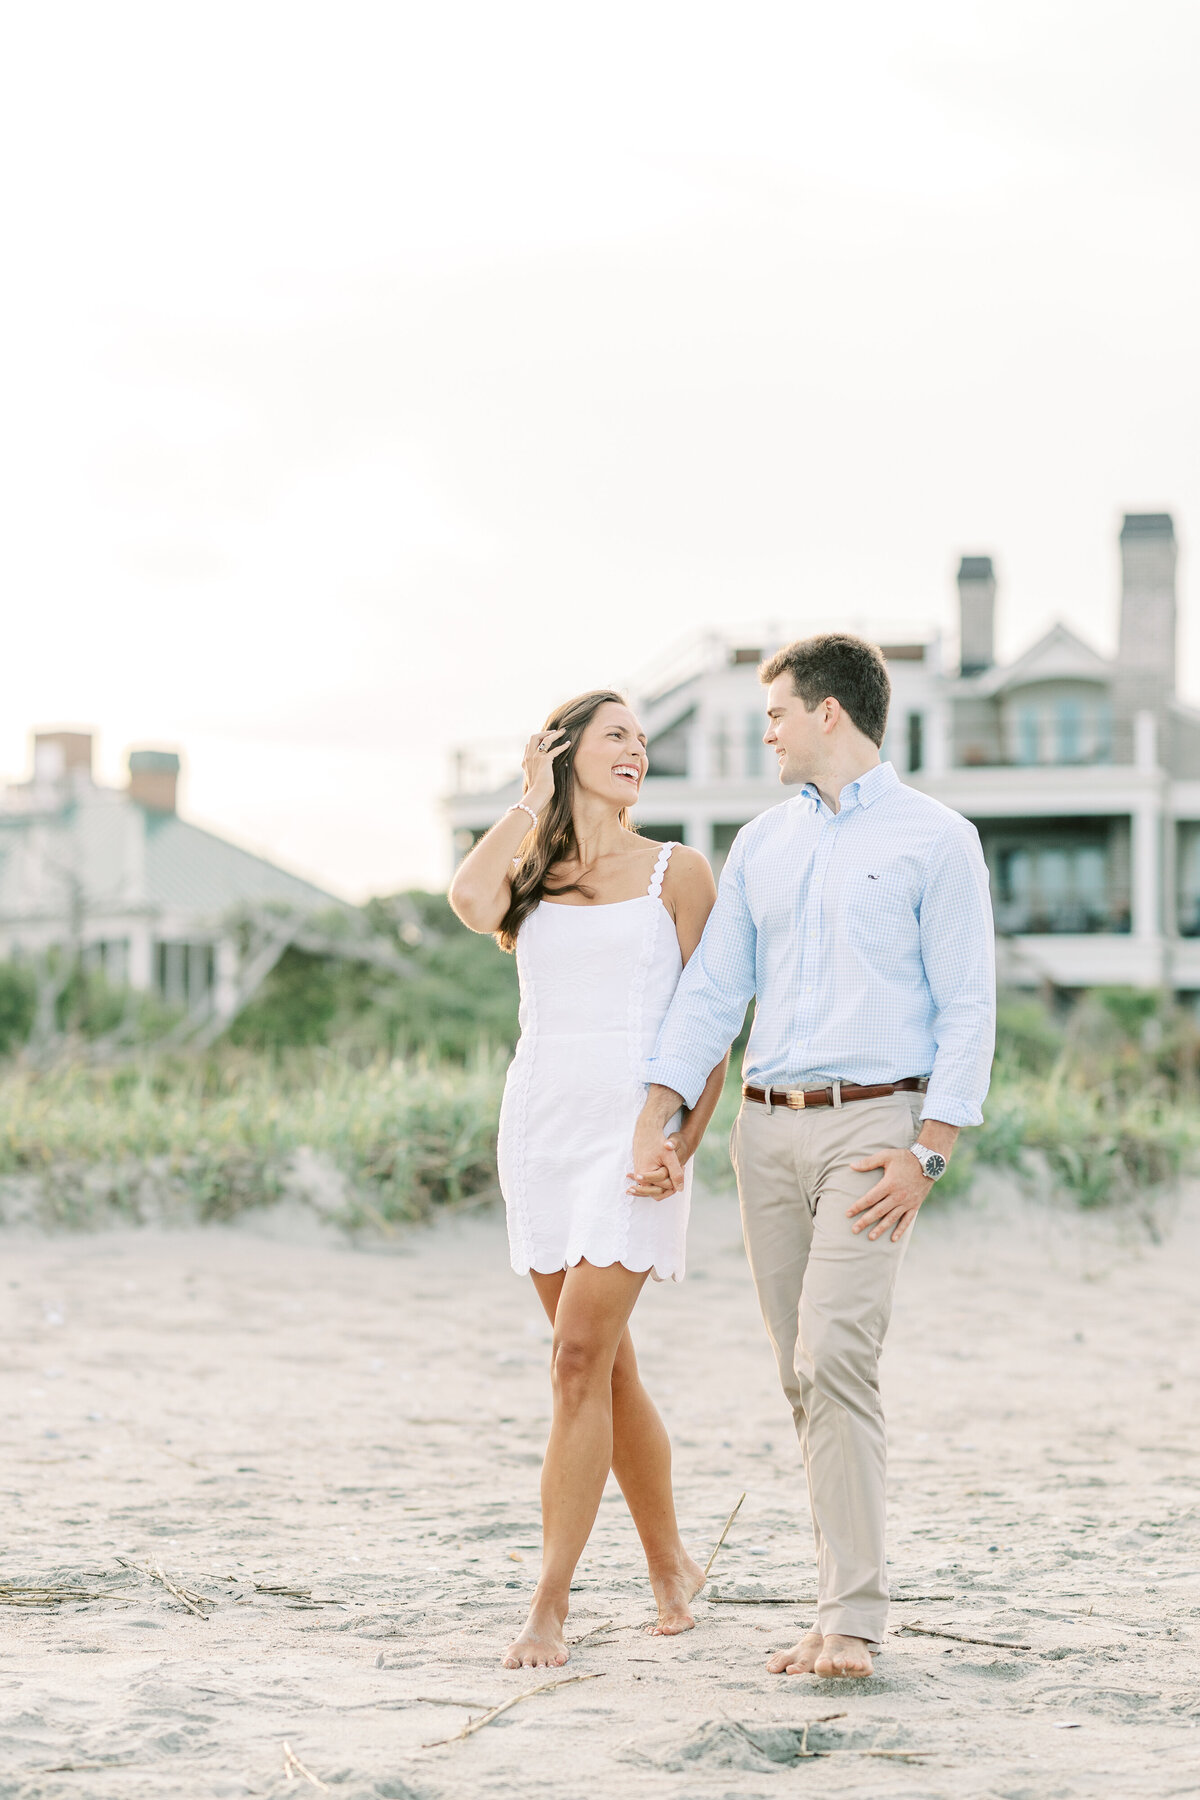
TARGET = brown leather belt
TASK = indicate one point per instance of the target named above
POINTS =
(801, 1098)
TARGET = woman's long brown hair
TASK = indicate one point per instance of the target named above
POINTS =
(552, 839)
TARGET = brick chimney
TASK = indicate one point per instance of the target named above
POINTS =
(60, 755)
(1146, 649)
(153, 779)
(976, 614)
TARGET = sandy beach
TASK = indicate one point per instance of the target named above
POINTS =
(334, 1451)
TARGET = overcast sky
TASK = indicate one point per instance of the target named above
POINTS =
(376, 375)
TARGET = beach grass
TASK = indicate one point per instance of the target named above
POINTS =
(1097, 1105)
(222, 1132)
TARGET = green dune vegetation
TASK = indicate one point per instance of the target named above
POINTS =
(389, 1089)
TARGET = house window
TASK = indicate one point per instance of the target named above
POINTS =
(1189, 880)
(722, 843)
(1055, 888)
(1029, 735)
(111, 957)
(1064, 729)
(1069, 719)
(663, 834)
(184, 973)
(754, 744)
(720, 750)
(915, 731)
(668, 752)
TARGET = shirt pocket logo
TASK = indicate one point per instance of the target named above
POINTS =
(878, 909)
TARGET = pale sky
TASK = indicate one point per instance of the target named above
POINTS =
(376, 375)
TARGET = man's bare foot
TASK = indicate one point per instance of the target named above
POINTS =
(848, 1656)
(541, 1645)
(801, 1659)
(674, 1590)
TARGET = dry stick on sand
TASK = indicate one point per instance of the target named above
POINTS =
(808, 1755)
(920, 1630)
(13, 1595)
(473, 1725)
(195, 1603)
(438, 1700)
(729, 1521)
(596, 1631)
(292, 1766)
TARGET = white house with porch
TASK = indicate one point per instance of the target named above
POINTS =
(115, 877)
(1081, 773)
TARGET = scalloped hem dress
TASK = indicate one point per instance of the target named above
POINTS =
(596, 982)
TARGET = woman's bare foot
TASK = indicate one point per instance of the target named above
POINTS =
(541, 1645)
(674, 1590)
(801, 1659)
(847, 1656)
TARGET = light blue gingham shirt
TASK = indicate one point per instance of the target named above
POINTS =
(866, 936)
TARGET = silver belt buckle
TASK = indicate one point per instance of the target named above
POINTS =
(795, 1097)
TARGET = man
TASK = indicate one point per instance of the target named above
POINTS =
(857, 915)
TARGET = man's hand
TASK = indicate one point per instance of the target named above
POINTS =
(657, 1166)
(661, 1181)
(897, 1195)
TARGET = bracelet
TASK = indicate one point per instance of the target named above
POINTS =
(521, 807)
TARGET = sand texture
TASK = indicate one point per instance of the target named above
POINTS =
(334, 1453)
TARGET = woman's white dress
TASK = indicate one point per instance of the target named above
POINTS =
(596, 982)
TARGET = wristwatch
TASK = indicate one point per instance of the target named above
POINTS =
(933, 1163)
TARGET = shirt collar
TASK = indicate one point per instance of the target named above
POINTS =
(864, 790)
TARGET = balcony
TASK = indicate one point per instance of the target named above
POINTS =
(1043, 739)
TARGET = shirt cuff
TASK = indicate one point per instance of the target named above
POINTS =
(949, 1109)
(662, 1071)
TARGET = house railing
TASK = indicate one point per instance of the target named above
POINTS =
(1047, 742)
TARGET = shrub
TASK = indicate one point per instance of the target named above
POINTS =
(17, 1001)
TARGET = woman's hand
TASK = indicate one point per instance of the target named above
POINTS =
(538, 764)
(658, 1184)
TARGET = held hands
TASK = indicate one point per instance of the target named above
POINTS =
(657, 1162)
(896, 1196)
(538, 764)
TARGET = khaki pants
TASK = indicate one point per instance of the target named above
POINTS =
(826, 1297)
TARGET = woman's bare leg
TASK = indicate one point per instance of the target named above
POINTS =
(642, 1466)
(593, 1308)
(641, 1462)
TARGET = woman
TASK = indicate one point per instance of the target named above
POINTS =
(602, 922)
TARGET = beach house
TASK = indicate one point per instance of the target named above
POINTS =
(1081, 772)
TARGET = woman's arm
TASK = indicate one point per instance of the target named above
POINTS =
(481, 890)
(695, 1123)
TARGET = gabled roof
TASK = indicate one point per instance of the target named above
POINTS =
(115, 855)
(188, 869)
(1059, 656)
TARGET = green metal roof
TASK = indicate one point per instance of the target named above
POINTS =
(121, 856)
(189, 869)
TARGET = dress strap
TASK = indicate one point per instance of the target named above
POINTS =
(660, 869)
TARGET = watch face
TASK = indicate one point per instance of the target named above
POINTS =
(935, 1164)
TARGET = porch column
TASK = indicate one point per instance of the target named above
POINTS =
(140, 967)
(1146, 872)
(225, 978)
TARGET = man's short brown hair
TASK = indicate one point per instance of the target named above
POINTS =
(837, 666)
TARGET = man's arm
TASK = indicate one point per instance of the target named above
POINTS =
(714, 990)
(958, 953)
(958, 950)
(702, 1021)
